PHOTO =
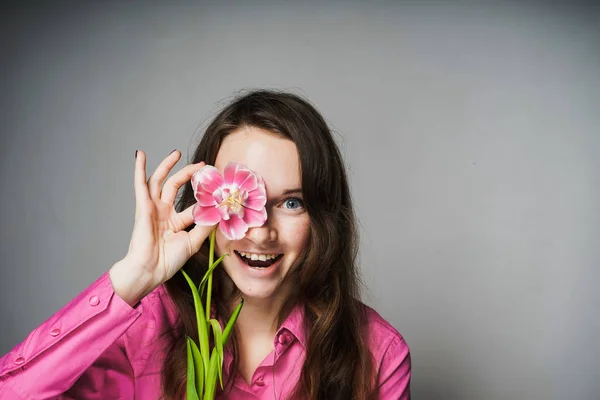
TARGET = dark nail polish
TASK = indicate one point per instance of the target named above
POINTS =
(172, 152)
(136, 154)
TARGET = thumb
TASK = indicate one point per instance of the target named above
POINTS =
(198, 235)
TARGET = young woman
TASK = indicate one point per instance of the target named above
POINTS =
(302, 332)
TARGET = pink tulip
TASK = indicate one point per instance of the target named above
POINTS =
(236, 200)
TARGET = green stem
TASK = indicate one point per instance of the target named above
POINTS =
(211, 256)
(202, 325)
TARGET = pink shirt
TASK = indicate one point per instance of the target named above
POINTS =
(99, 347)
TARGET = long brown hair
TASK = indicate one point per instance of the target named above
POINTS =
(338, 363)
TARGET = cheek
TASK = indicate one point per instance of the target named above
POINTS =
(221, 243)
(298, 233)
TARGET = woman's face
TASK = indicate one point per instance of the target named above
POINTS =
(285, 233)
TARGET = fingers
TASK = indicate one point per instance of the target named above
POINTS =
(161, 172)
(183, 176)
(198, 235)
(139, 183)
(186, 216)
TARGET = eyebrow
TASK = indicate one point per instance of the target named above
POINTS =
(292, 191)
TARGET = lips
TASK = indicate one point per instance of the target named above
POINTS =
(257, 263)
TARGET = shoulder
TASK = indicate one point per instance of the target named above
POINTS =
(379, 331)
(383, 339)
(391, 356)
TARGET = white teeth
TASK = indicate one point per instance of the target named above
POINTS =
(261, 257)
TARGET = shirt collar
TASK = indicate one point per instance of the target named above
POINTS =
(294, 323)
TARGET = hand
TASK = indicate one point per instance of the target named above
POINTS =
(159, 244)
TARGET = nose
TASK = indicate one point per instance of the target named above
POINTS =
(263, 235)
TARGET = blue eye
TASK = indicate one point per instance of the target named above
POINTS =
(293, 203)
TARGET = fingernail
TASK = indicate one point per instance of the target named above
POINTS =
(172, 152)
(136, 154)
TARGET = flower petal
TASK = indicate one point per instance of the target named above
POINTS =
(208, 177)
(229, 172)
(234, 228)
(255, 218)
(256, 198)
(205, 216)
(218, 195)
(245, 179)
(204, 198)
(223, 212)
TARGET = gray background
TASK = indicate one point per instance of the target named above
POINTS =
(470, 130)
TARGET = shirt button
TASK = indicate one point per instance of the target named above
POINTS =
(283, 339)
(55, 332)
(259, 382)
(19, 361)
(94, 301)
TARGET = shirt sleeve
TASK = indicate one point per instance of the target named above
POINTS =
(76, 353)
(394, 372)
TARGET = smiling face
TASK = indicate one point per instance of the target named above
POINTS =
(259, 263)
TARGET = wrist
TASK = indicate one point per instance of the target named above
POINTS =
(129, 283)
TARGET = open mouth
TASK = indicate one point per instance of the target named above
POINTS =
(258, 260)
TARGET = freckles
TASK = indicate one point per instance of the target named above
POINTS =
(302, 227)
(297, 233)
(294, 232)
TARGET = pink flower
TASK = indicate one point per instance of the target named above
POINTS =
(236, 199)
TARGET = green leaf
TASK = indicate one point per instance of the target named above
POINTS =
(210, 270)
(211, 383)
(191, 392)
(229, 326)
(202, 326)
(198, 364)
(218, 336)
